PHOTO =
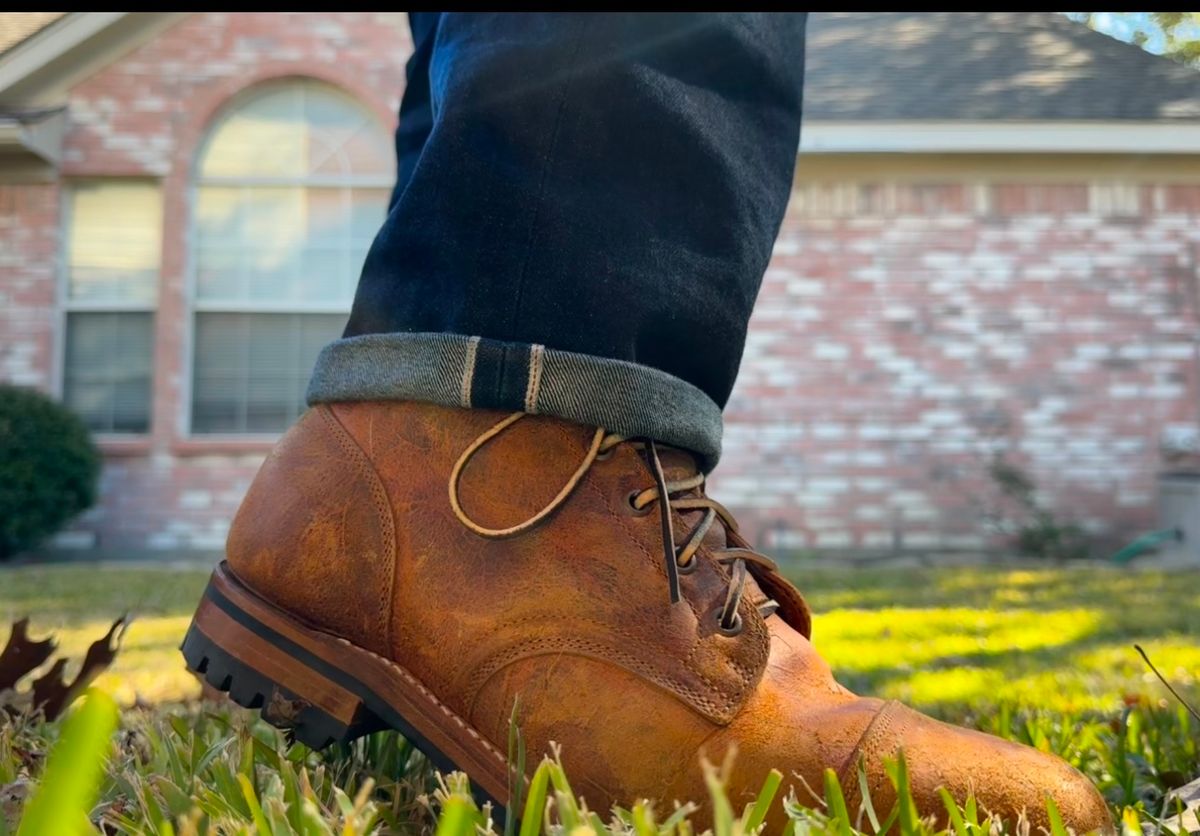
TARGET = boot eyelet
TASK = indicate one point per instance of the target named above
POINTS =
(689, 567)
(735, 629)
(631, 501)
(605, 455)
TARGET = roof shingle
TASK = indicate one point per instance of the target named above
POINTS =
(18, 26)
(985, 65)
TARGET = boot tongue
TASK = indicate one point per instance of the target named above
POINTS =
(677, 464)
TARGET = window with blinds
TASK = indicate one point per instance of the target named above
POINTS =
(113, 247)
(252, 369)
(292, 186)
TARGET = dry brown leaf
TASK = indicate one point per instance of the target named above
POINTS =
(49, 690)
(20, 655)
(50, 693)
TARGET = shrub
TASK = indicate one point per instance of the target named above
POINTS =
(48, 468)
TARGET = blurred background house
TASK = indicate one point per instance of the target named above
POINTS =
(992, 246)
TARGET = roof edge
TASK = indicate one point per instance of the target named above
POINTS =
(996, 136)
(44, 47)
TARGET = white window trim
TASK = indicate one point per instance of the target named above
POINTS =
(65, 305)
(349, 181)
(263, 307)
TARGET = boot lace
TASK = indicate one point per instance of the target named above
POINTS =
(669, 495)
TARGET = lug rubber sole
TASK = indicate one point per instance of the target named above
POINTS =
(323, 689)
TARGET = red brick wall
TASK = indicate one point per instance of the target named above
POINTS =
(28, 255)
(905, 331)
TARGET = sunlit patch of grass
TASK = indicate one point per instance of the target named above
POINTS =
(884, 640)
(1177, 657)
(1053, 689)
(1062, 639)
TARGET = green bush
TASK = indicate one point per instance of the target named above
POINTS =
(48, 468)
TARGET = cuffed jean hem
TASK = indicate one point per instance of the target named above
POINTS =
(455, 370)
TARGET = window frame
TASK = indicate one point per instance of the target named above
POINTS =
(194, 306)
(65, 305)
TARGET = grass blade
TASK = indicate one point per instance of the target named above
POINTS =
(757, 814)
(722, 810)
(535, 800)
(906, 809)
(457, 818)
(516, 770)
(1057, 828)
(864, 789)
(956, 819)
(835, 801)
(643, 821)
(72, 778)
(256, 812)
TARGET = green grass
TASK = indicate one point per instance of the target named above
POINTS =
(1043, 656)
(955, 639)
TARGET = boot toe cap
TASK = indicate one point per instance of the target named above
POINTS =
(1007, 779)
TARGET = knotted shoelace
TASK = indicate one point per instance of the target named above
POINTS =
(679, 559)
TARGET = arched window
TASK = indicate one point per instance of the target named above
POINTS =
(291, 187)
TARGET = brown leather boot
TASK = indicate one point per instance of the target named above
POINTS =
(427, 568)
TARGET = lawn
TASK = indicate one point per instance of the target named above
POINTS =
(1042, 655)
(1060, 639)
(943, 639)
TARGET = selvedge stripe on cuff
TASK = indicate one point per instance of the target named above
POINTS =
(468, 373)
(535, 377)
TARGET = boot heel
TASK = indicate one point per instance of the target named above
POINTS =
(258, 675)
(325, 689)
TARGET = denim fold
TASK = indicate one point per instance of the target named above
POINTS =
(474, 372)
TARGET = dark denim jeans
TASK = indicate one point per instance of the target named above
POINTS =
(585, 207)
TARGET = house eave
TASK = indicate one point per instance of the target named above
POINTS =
(44, 48)
(41, 70)
(1000, 137)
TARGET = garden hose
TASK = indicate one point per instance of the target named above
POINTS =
(1145, 543)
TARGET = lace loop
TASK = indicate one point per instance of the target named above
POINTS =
(562, 496)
